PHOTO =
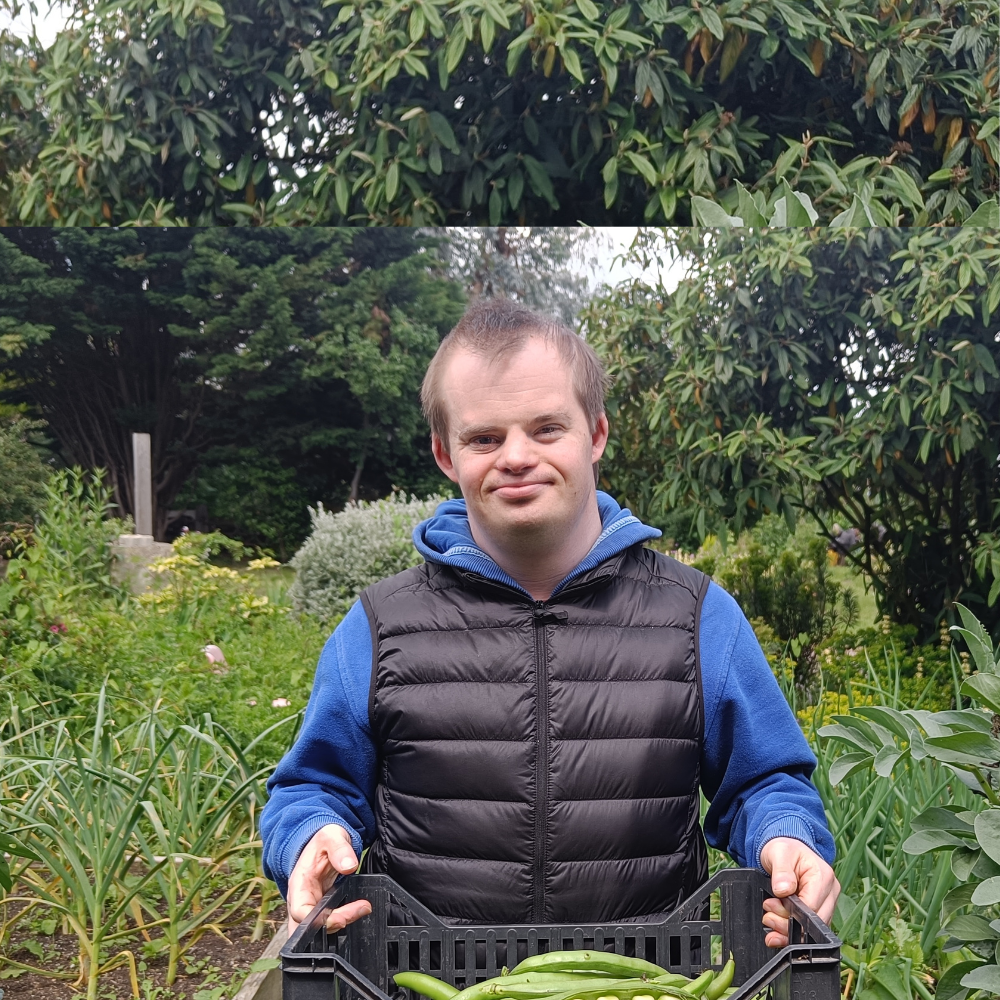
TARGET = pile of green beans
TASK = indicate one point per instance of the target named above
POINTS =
(580, 975)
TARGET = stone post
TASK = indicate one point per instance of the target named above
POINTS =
(142, 463)
(134, 553)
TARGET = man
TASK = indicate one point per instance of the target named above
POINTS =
(518, 728)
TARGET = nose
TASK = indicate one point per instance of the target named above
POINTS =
(517, 453)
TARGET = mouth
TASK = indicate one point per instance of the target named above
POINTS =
(519, 491)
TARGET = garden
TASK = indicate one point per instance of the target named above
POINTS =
(790, 381)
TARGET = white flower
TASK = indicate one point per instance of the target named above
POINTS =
(214, 654)
(251, 702)
(280, 703)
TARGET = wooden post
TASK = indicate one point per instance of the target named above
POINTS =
(143, 471)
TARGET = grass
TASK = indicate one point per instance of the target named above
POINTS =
(849, 578)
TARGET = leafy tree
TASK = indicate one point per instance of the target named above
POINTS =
(303, 345)
(532, 264)
(848, 376)
(500, 112)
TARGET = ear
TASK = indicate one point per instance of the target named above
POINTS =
(598, 439)
(443, 459)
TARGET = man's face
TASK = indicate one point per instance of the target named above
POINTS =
(519, 444)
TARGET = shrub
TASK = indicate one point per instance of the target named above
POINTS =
(503, 112)
(23, 475)
(781, 578)
(353, 548)
(254, 498)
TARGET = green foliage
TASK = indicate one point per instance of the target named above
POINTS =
(135, 821)
(254, 498)
(847, 376)
(22, 472)
(291, 357)
(783, 579)
(498, 112)
(961, 744)
(354, 548)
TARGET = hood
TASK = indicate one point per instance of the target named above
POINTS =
(447, 539)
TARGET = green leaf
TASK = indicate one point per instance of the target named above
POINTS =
(940, 818)
(710, 213)
(985, 688)
(793, 208)
(496, 206)
(930, 840)
(747, 209)
(540, 180)
(392, 181)
(987, 893)
(977, 746)
(588, 9)
(644, 167)
(188, 135)
(949, 986)
(988, 832)
(713, 22)
(986, 216)
(986, 977)
(970, 927)
(441, 128)
(515, 186)
(847, 764)
(265, 964)
(455, 49)
(342, 193)
(572, 61)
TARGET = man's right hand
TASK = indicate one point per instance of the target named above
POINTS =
(326, 856)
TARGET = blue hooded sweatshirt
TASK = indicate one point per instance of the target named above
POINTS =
(755, 761)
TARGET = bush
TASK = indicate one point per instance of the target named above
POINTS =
(501, 112)
(23, 475)
(254, 498)
(353, 548)
(782, 579)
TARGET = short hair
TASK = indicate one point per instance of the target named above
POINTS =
(497, 330)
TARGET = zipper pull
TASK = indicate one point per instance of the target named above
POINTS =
(549, 616)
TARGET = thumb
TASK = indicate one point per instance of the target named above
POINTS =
(781, 865)
(341, 854)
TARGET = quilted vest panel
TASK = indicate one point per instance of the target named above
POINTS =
(539, 760)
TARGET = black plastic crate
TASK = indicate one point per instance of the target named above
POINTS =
(400, 934)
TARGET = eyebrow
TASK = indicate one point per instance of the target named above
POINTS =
(545, 418)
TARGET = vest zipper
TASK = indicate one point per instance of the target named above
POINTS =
(542, 762)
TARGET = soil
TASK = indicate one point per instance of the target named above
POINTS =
(218, 966)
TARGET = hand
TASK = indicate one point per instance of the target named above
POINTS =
(328, 854)
(795, 868)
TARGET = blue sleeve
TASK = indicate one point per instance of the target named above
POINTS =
(328, 776)
(756, 762)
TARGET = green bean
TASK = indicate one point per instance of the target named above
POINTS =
(721, 982)
(589, 961)
(543, 979)
(428, 986)
(625, 989)
(699, 985)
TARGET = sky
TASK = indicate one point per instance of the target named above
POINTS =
(48, 21)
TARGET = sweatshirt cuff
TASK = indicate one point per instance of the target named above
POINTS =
(296, 842)
(786, 826)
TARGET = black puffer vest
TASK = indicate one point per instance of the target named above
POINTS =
(539, 761)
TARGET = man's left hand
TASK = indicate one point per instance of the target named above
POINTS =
(795, 868)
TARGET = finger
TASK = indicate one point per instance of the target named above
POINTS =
(774, 940)
(829, 904)
(339, 918)
(775, 923)
(776, 906)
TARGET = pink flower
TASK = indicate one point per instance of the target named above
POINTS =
(280, 703)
